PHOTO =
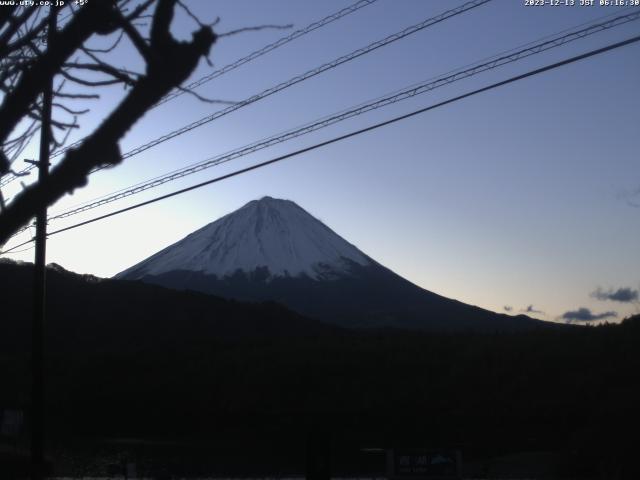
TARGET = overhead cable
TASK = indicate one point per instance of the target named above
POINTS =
(348, 135)
(404, 94)
(299, 78)
(231, 66)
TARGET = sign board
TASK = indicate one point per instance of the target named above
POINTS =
(420, 463)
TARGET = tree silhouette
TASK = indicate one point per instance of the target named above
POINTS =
(28, 63)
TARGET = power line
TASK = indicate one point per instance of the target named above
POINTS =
(493, 57)
(231, 66)
(404, 94)
(302, 77)
(267, 48)
(21, 251)
(463, 72)
(349, 135)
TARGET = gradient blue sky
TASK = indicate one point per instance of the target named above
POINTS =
(520, 196)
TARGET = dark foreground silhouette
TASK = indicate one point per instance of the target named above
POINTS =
(184, 383)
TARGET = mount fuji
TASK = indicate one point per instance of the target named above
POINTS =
(273, 250)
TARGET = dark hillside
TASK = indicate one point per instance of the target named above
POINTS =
(128, 360)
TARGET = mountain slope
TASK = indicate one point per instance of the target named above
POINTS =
(272, 249)
(86, 313)
(266, 233)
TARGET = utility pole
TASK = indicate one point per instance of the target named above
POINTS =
(38, 336)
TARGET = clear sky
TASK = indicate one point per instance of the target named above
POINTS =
(527, 196)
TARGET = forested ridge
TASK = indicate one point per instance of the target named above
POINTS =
(200, 369)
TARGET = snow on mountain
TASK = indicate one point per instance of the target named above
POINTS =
(273, 250)
(272, 233)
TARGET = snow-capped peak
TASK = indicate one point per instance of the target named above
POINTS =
(272, 233)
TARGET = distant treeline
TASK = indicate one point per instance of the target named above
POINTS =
(127, 360)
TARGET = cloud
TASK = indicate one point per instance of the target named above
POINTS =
(631, 197)
(623, 295)
(585, 315)
(508, 308)
(530, 309)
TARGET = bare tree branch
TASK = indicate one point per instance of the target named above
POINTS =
(69, 110)
(169, 64)
(254, 29)
(139, 10)
(14, 24)
(205, 99)
(78, 96)
(31, 83)
(31, 35)
(88, 83)
(119, 75)
(110, 48)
